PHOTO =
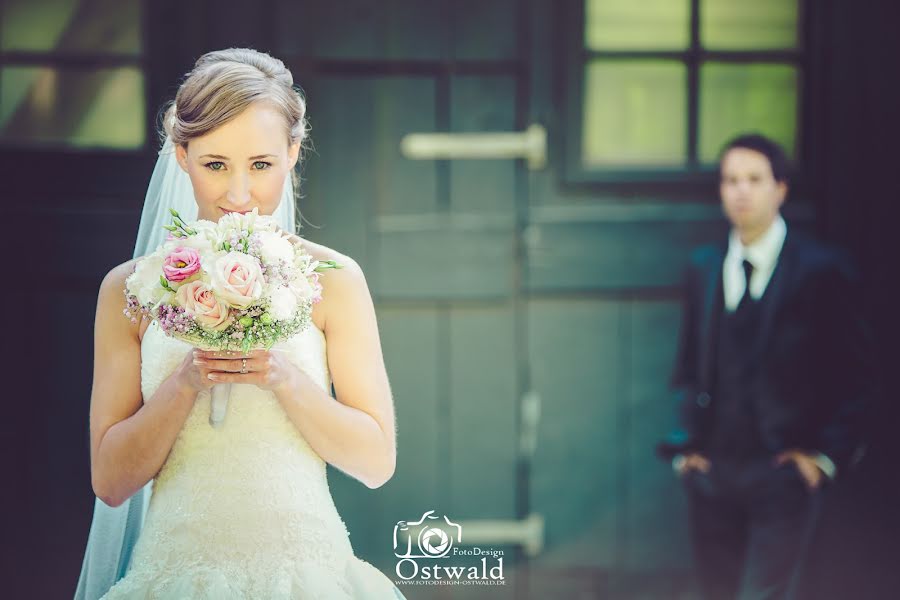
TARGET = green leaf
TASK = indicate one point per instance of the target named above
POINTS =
(328, 264)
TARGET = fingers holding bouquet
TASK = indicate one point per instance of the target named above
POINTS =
(267, 369)
(198, 365)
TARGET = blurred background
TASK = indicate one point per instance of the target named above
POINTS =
(528, 302)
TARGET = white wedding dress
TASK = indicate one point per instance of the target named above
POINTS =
(244, 511)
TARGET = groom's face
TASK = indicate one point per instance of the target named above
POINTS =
(751, 196)
(241, 165)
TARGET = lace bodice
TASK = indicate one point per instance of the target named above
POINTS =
(243, 510)
(257, 439)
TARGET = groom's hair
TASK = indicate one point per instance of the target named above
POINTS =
(768, 147)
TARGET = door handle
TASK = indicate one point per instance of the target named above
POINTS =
(530, 420)
(527, 532)
(530, 144)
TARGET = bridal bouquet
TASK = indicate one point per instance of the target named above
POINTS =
(236, 285)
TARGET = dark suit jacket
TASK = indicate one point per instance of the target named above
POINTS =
(816, 374)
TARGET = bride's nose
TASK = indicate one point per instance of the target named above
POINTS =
(238, 190)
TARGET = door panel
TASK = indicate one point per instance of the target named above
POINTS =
(575, 356)
(483, 413)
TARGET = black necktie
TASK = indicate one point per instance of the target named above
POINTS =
(746, 298)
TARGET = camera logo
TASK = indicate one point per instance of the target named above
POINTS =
(434, 536)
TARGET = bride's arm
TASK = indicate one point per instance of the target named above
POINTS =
(129, 441)
(356, 434)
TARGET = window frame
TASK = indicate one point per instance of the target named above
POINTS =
(89, 61)
(575, 57)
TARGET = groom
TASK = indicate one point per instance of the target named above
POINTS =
(771, 369)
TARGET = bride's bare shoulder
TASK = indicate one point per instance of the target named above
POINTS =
(111, 297)
(116, 276)
(323, 253)
(340, 287)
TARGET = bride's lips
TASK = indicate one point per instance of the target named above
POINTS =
(226, 211)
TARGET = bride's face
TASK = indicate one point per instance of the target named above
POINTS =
(240, 165)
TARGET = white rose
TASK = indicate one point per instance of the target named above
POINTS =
(251, 221)
(302, 287)
(237, 278)
(266, 223)
(283, 304)
(231, 221)
(303, 263)
(207, 235)
(144, 281)
(273, 247)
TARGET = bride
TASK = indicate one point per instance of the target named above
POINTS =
(243, 510)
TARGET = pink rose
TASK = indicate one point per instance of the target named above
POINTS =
(200, 302)
(181, 264)
(237, 279)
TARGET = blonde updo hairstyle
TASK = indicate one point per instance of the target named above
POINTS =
(225, 82)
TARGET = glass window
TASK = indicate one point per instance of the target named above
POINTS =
(45, 99)
(78, 107)
(735, 98)
(637, 111)
(742, 25)
(629, 25)
(663, 88)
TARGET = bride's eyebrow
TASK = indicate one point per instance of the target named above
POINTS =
(220, 157)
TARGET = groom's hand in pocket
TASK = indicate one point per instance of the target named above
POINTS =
(692, 461)
(805, 464)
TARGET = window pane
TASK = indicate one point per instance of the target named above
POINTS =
(71, 26)
(635, 113)
(743, 25)
(77, 107)
(738, 98)
(629, 25)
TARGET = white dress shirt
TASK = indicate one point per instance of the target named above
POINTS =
(762, 253)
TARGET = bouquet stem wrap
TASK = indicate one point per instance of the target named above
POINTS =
(218, 404)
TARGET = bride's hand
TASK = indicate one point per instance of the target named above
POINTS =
(267, 369)
(194, 374)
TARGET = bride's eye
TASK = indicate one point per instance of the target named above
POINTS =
(265, 164)
(214, 165)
